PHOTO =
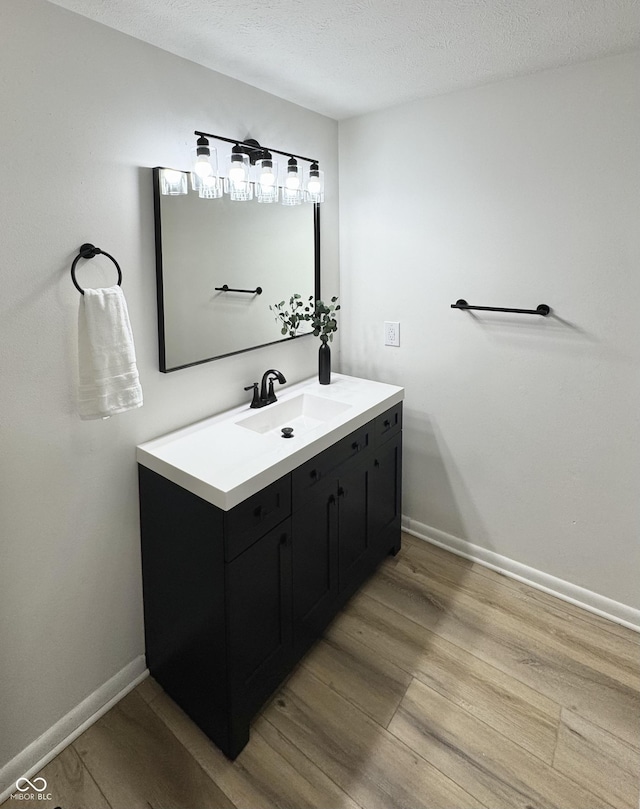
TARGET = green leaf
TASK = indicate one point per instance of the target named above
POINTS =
(284, 330)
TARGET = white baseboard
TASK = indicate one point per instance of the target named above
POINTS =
(580, 596)
(46, 747)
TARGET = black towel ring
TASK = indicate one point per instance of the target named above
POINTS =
(89, 251)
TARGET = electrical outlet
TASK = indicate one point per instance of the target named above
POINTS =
(391, 333)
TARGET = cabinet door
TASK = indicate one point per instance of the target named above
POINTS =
(385, 493)
(314, 564)
(353, 534)
(259, 613)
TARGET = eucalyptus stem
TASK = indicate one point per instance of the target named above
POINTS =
(321, 315)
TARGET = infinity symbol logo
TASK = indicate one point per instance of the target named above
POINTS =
(23, 784)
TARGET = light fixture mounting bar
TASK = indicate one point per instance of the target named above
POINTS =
(251, 145)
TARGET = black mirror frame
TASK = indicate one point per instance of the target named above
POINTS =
(160, 287)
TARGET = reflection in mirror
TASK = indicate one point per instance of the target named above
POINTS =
(204, 244)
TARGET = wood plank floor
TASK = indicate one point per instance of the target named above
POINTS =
(442, 685)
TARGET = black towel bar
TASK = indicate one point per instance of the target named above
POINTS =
(542, 309)
(227, 288)
(90, 251)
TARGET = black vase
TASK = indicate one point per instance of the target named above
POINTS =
(324, 364)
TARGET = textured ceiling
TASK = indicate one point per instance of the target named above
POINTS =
(343, 58)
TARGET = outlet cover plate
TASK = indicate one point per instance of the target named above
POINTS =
(391, 333)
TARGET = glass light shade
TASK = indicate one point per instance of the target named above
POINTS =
(236, 182)
(173, 183)
(292, 196)
(204, 163)
(210, 187)
(239, 192)
(314, 184)
(237, 167)
(292, 191)
(196, 181)
(266, 180)
(293, 180)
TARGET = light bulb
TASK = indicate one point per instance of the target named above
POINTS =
(238, 166)
(267, 177)
(202, 166)
(314, 182)
(204, 158)
(293, 180)
(237, 173)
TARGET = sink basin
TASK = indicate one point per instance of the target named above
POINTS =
(303, 412)
(228, 457)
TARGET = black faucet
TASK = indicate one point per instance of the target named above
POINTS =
(266, 396)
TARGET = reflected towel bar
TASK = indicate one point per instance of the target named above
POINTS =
(227, 288)
(542, 309)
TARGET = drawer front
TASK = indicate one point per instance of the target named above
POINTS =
(389, 423)
(314, 473)
(256, 515)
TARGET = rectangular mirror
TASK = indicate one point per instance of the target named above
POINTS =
(203, 245)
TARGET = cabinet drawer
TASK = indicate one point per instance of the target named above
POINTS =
(389, 423)
(307, 477)
(256, 515)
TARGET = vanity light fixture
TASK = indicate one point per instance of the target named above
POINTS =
(250, 170)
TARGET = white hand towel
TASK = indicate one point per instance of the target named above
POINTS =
(109, 381)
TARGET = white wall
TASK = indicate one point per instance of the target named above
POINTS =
(521, 432)
(85, 112)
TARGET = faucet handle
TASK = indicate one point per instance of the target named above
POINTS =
(255, 402)
(271, 396)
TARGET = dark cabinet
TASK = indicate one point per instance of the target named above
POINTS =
(385, 483)
(258, 588)
(258, 583)
(314, 564)
(330, 546)
(353, 535)
(233, 599)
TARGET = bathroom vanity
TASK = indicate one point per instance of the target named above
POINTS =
(251, 542)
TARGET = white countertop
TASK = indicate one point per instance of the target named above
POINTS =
(222, 462)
